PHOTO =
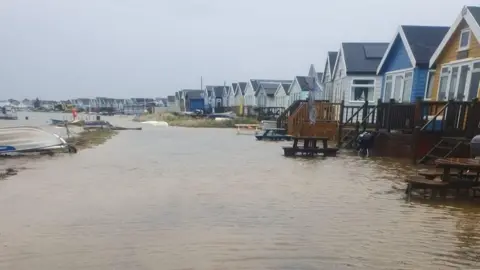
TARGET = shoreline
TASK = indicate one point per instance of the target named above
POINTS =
(190, 122)
(81, 141)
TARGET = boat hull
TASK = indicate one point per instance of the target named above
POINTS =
(30, 139)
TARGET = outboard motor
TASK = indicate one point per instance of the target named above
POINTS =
(364, 143)
(475, 147)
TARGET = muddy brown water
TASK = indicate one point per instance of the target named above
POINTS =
(177, 198)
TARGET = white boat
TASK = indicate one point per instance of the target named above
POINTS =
(31, 139)
(8, 112)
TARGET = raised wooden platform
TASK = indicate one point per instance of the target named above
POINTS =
(293, 151)
(310, 147)
(433, 175)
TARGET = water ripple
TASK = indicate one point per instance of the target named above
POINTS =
(208, 199)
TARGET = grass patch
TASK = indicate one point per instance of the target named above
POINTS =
(187, 121)
(87, 139)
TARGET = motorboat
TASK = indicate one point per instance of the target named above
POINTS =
(31, 139)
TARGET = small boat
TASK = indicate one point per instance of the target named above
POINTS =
(62, 123)
(8, 112)
(102, 124)
(31, 140)
(57, 122)
(273, 134)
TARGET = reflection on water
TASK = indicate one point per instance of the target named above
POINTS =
(208, 199)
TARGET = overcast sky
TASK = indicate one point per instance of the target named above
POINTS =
(58, 49)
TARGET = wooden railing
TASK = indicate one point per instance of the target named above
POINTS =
(325, 112)
(395, 116)
(452, 118)
(282, 120)
(269, 113)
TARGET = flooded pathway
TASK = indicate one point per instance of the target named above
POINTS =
(208, 199)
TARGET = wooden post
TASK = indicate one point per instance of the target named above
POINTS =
(340, 125)
(389, 115)
(472, 119)
(357, 132)
(364, 113)
(417, 120)
(415, 143)
(378, 120)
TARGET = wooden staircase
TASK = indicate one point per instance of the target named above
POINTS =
(445, 148)
(349, 130)
(282, 120)
(456, 123)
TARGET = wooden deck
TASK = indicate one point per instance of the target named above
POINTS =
(440, 184)
(310, 147)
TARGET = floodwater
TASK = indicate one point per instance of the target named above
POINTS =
(176, 198)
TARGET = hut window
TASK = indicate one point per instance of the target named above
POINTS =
(464, 43)
(442, 88)
(362, 90)
(428, 93)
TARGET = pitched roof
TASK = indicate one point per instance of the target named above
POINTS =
(420, 43)
(471, 15)
(332, 57)
(424, 40)
(209, 89)
(306, 83)
(256, 83)
(242, 86)
(269, 87)
(171, 98)
(286, 87)
(84, 100)
(363, 57)
(319, 76)
(193, 93)
(475, 12)
(218, 90)
(234, 88)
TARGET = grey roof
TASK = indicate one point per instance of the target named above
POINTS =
(269, 87)
(243, 86)
(84, 100)
(306, 83)
(218, 90)
(424, 40)
(193, 93)
(332, 57)
(363, 57)
(256, 83)
(209, 89)
(319, 76)
(286, 87)
(171, 98)
(234, 87)
(330, 64)
(475, 13)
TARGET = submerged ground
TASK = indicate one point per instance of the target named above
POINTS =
(178, 198)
